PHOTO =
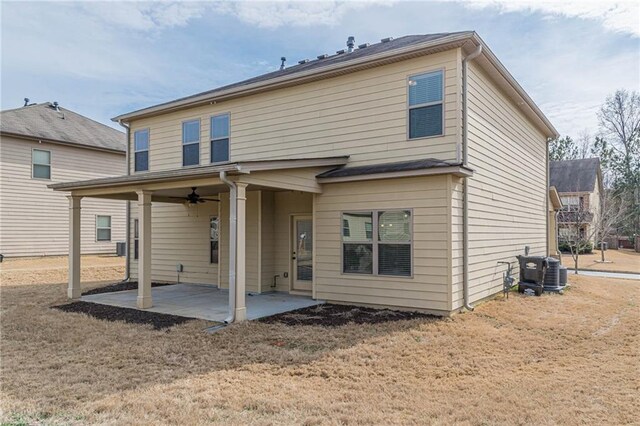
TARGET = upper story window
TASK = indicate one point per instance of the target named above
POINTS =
(572, 203)
(220, 138)
(40, 164)
(141, 150)
(426, 106)
(191, 143)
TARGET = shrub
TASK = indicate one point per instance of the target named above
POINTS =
(585, 248)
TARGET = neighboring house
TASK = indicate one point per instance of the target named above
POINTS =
(579, 184)
(555, 207)
(43, 144)
(341, 178)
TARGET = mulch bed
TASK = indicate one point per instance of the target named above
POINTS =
(329, 315)
(131, 316)
(122, 286)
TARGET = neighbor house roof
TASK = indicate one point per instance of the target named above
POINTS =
(574, 175)
(365, 56)
(45, 122)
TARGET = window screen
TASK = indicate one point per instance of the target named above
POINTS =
(191, 143)
(41, 164)
(357, 247)
(426, 105)
(220, 138)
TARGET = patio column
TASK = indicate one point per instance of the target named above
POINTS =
(241, 215)
(144, 249)
(73, 290)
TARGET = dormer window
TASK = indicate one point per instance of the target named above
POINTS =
(426, 106)
(220, 138)
(191, 143)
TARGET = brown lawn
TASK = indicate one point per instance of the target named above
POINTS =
(556, 359)
(616, 261)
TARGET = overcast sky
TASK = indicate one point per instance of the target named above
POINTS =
(102, 59)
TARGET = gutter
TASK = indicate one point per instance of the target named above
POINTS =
(465, 183)
(233, 233)
(127, 266)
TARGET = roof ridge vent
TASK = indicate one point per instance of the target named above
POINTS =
(386, 39)
(340, 52)
(363, 45)
(323, 56)
(303, 61)
(283, 59)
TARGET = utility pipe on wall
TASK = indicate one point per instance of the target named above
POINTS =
(233, 233)
(127, 273)
(465, 182)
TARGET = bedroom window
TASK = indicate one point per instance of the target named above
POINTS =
(141, 150)
(220, 138)
(426, 107)
(41, 164)
(103, 228)
(214, 239)
(191, 143)
(379, 242)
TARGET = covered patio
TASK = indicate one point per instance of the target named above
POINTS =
(204, 301)
(171, 186)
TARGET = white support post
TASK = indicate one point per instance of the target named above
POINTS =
(144, 250)
(241, 199)
(74, 291)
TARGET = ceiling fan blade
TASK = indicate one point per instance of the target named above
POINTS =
(210, 199)
(179, 198)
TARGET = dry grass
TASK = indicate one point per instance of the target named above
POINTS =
(557, 359)
(617, 261)
(54, 269)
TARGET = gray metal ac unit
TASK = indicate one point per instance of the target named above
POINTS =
(121, 249)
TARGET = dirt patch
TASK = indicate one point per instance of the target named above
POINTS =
(131, 316)
(329, 315)
(122, 286)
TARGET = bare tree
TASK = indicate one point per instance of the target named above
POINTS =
(584, 143)
(575, 232)
(612, 211)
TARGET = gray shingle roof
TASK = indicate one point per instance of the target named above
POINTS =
(334, 59)
(401, 166)
(42, 121)
(574, 175)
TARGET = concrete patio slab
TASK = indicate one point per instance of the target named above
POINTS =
(204, 302)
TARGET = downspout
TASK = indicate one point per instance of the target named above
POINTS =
(127, 274)
(233, 233)
(465, 183)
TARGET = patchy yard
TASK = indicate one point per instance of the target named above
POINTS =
(557, 359)
(616, 261)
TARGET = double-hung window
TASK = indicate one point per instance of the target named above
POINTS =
(426, 106)
(191, 143)
(41, 164)
(103, 228)
(220, 138)
(379, 242)
(141, 150)
(214, 239)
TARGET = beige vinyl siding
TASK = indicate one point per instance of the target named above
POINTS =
(363, 114)
(430, 201)
(180, 234)
(34, 220)
(507, 194)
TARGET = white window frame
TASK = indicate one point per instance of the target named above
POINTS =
(191, 143)
(110, 228)
(212, 139)
(135, 151)
(34, 164)
(410, 107)
(375, 243)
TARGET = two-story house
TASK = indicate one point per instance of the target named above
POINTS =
(43, 144)
(579, 185)
(392, 174)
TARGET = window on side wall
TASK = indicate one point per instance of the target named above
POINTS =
(220, 138)
(41, 164)
(191, 143)
(379, 242)
(214, 239)
(135, 238)
(141, 150)
(426, 107)
(103, 228)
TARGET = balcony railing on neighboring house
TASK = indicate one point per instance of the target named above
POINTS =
(575, 216)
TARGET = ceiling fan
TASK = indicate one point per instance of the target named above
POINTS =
(195, 198)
